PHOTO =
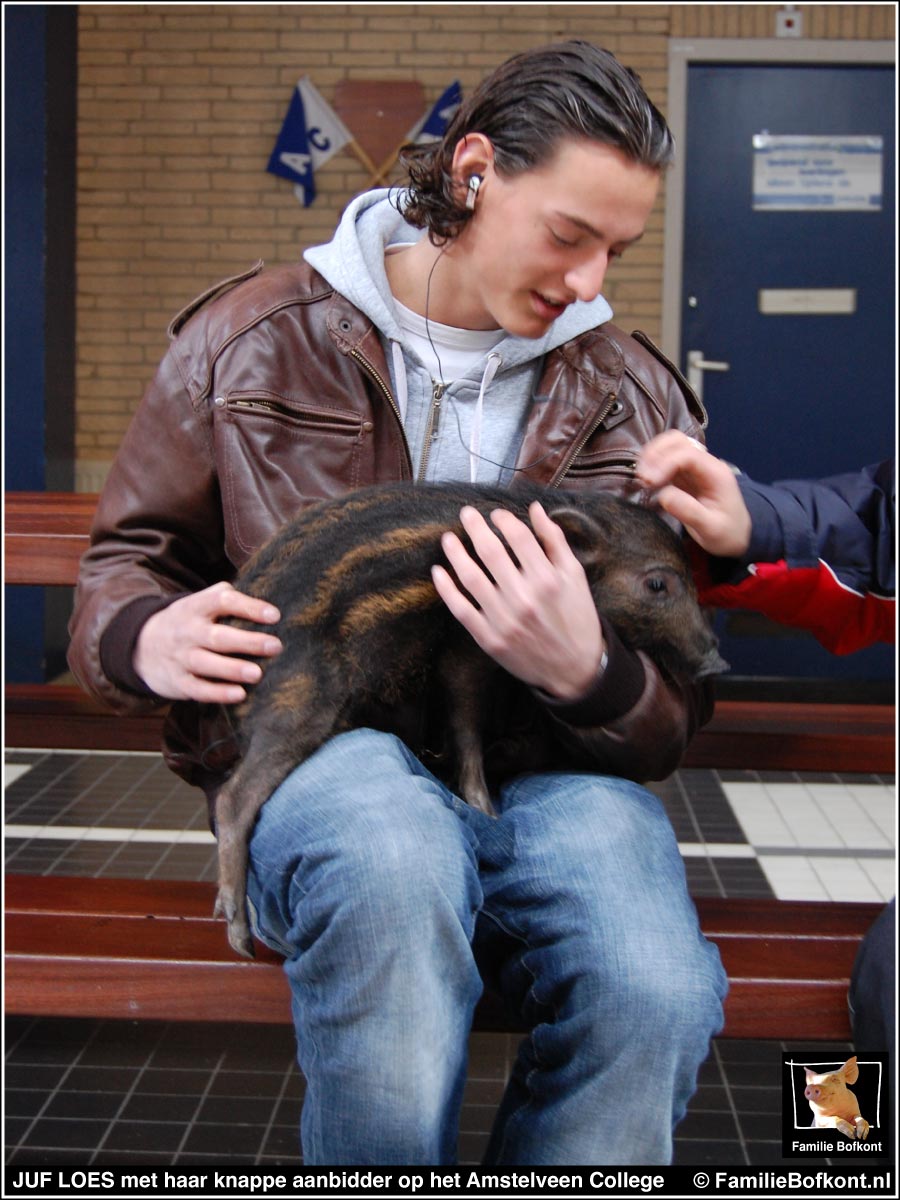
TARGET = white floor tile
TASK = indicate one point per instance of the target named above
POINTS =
(883, 873)
(880, 802)
(804, 817)
(847, 814)
(791, 877)
(844, 879)
(759, 817)
(14, 771)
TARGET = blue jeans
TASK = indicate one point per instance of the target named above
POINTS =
(389, 896)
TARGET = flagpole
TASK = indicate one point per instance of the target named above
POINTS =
(380, 172)
(376, 172)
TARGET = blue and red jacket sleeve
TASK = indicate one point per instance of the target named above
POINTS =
(821, 558)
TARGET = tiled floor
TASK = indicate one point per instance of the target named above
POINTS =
(104, 1092)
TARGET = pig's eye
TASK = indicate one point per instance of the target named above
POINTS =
(656, 584)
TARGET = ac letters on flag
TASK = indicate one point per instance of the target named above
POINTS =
(311, 133)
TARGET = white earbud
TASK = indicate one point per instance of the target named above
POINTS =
(472, 191)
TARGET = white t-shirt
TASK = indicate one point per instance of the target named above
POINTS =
(449, 353)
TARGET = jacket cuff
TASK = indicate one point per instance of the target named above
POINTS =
(779, 526)
(120, 638)
(615, 691)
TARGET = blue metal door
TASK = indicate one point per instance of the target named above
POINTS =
(806, 393)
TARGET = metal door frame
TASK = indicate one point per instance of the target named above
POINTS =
(683, 52)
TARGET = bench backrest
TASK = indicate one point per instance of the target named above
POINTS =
(45, 535)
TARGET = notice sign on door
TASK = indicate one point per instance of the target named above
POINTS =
(793, 172)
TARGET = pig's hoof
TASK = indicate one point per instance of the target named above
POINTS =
(846, 1128)
(862, 1128)
(225, 906)
(240, 940)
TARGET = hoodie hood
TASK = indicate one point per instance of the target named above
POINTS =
(353, 263)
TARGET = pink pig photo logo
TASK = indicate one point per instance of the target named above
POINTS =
(835, 1108)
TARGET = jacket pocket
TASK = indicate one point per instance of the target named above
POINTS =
(592, 466)
(276, 457)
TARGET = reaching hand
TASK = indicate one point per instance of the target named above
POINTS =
(183, 652)
(537, 619)
(699, 490)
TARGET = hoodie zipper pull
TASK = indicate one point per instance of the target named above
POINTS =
(437, 393)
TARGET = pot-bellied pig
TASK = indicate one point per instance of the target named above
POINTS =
(365, 635)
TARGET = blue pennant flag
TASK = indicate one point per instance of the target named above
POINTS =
(312, 132)
(434, 124)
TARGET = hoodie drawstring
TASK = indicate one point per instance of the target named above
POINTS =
(493, 365)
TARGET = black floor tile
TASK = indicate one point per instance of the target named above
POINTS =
(753, 1100)
(101, 1079)
(231, 1139)
(84, 1105)
(135, 1160)
(717, 1126)
(48, 1156)
(283, 1141)
(75, 1134)
(707, 1153)
(761, 1127)
(20, 1103)
(141, 1106)
(247, 1083)
(234, 1111)
(189, 1081)
(145, 1135)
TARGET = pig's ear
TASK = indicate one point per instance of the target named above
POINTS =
(810, 1075)
(583, 533)
(850, 1070)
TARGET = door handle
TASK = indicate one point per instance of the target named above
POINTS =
(696, 365)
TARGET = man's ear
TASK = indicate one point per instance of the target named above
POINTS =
(474, 155)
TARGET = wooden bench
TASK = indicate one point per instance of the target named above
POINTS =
(150, 948)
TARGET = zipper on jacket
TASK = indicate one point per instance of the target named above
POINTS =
(434, 420)
(282, 410)
(601, 417)
(386, 392)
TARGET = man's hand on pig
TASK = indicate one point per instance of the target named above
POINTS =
(184, 652)
(536, 618)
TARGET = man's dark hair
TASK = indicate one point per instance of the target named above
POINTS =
(527, 107)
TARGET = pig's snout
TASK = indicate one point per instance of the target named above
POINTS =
(812, 1093)
(712, 662)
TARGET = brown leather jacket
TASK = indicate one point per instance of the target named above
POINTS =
(275, 394)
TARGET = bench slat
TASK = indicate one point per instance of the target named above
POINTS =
(741, 734)
(150, 948)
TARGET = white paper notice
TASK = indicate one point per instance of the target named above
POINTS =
(837, 174)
